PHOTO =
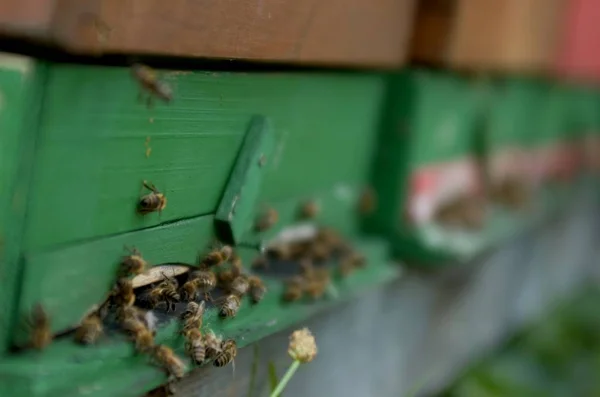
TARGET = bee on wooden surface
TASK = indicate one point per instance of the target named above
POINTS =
(239, 286)
(164, 292)
(123, 295)
(153, 201)
(267, 220)
(173, 365)
(309, 210)
(294, 289)
(367, 203)
(257, 289)
(260, 262)
(39, 325)
(148, 79)
(217, 256)
(213, 344)
(132, 264)
(194, 345)
(200, 282)
(229, 306)
(90, 330)
(192, 316)
(227, 354)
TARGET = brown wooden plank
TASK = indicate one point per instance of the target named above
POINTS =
(349, 32)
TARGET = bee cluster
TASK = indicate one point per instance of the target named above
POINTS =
(312, 256)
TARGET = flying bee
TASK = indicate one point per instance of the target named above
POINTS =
(39, 325)
(153, 201)
(132, 264)
(213, 344)
(217, 256)
(294, 289)
(229, 306)
(257, 289)
(123, 295)
(227, 354)
(192, 316)
(90, 330)
(204, 281)
(194, 345)
(149, 81)
(267, 220)
(309, 210)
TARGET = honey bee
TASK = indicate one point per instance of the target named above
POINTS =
(165, 357)
(150, 82)
(194, 345)
(294, 289)
(309, 210)
(316, 286)
(153, 201)
(217, 256)
(39, 324)
(367, 201)
(320, 251)
(200, 282)
(307, 269)
(260, 262)
(257, 289)
(227, 354)
(165, 292)
(280, 251)
(239, 286)
(132, 264)
(90, 330)
(346, 267)
(141, 335)
(229, 306)
(212, 344)
(267, 220)
(123, 295)
(192, 316)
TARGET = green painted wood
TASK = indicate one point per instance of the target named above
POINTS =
(21, 84)
(112, 368)
(69, 281)
(235, 213)
(95, 136)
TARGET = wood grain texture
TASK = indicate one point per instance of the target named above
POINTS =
(98, 143)
(113, 368)
(21, 88)
(368, 33)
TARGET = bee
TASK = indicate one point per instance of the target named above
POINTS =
(309, 210)
(165, 292)
(320, 251)
(217, 256)
(229, 306)
(132, 264)
(39, 324)
(150, 82)
(139, 332)
(239, 286)
(194, 345)
(280, 251)
(267, 220)
(192, 316)
(123, 295)
(316, 285)
(367, 202)
(90, 330)
(202, 282)
(307, 268)
(153, 201)
(260, 262)
(227, 354)
(294, 289)
(257, 289)
(172, 364)
(346, 267)
(212, 344)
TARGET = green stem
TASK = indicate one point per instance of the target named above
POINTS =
(286, 378)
